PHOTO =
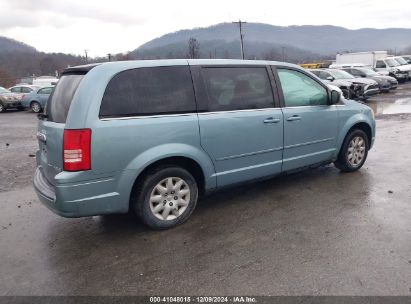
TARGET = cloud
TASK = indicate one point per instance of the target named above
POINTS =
(42, 12)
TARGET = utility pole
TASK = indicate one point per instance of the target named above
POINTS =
(240, 23)
(283, 53)
(109, 56)
(86, 55)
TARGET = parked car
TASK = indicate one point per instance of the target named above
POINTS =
(349, 65)
(22, 89)
(348, 89)
(9, 100)
(407, 58)
(355, 88)
(36, 100)
(150, 136)
(379, 60)
(385, 83)
(403, 62)
(395, 69)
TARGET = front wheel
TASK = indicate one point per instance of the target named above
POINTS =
(35, 107)
(166, 197)
(353, 152)
(2, 108)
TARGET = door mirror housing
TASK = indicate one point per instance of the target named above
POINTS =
(330, 78)
(335, 97)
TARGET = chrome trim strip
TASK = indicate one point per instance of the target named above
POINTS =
(248, 168)
(309, 143)
(86, 183)
(307, 155)
(316, 106)
(148, 116)
(207, 113)
(235, 111)
(249, 154)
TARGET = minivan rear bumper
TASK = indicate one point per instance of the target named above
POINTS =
(88, 198)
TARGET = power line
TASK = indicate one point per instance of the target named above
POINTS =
(240, 23)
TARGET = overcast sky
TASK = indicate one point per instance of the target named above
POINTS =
(122, 25)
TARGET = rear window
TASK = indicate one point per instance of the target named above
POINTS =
(149, 91)
(59, 102)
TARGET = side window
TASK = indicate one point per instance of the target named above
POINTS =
(26, 90)
(301, 90)
(324, 75)
(380, 64)
(16, 90)
(237, 88)
(45, 91)
(149, 91)
(316, 73)
(357, 73)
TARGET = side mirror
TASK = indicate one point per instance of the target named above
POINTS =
(330, 78)
(335, 97)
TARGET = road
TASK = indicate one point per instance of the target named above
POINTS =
(319, 232)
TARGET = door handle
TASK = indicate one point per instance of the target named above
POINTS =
(293, 118)
(271, 120)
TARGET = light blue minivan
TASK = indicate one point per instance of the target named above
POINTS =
(151, 136)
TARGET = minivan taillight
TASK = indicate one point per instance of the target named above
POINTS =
(76, 150)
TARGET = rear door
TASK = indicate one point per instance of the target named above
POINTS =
(310, 124)
(51, 128)
(241, 126)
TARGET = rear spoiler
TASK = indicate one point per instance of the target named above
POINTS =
(80, 69)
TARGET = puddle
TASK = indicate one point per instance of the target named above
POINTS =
(399, 106)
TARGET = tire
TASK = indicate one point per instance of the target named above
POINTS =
(35, 107)
(353, 152)
(20, 108)
(151, 205)
(2, 108)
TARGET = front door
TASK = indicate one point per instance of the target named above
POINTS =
(241, 128)
(310, 123)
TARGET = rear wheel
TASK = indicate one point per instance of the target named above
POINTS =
(35, 107)
(166, 197)
(354, 151)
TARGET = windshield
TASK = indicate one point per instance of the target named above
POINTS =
(3, 90)
(401, 60)
(391, 62)
(338, 74)
(369, 72)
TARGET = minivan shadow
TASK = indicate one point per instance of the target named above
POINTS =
(118, 224)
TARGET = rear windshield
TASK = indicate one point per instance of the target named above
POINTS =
(59, 102)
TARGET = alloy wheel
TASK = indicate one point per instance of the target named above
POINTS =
(169, 198)
(356, 151)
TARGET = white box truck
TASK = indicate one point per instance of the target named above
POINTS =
(366, 58)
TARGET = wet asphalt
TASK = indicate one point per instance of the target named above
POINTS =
(318, 232)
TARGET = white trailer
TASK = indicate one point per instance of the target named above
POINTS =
(366, 58)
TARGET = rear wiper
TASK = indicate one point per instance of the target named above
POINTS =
(42, 116)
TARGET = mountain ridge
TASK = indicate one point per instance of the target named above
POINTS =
(322, 39)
